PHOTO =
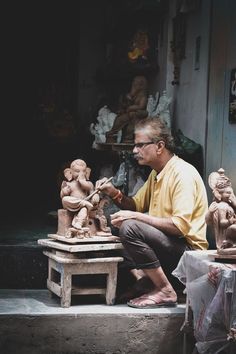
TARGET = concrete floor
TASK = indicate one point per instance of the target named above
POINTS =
(40, 302)
(32, 322)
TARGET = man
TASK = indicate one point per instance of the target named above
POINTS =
(165, 217)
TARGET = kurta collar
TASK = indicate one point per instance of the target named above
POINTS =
(159, 176)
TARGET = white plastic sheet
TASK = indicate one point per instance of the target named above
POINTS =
(211, 292)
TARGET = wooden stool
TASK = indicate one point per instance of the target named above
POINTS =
(70, 265)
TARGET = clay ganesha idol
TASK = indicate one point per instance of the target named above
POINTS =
(82, 214)
(221, 213)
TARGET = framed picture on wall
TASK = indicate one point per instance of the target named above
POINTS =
(232, 97)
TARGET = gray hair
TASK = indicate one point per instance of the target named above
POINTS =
(156, 129)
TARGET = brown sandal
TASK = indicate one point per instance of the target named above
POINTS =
(155, 304)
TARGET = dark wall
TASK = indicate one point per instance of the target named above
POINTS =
(41, 68)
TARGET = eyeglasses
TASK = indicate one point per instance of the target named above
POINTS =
(141, 145)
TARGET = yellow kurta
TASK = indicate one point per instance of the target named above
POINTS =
(177, 192)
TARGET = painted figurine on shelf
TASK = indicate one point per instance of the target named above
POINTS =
(82, 215)
(139, 48)
(222, 213)
(133, 108)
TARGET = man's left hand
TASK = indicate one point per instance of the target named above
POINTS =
(120, 216)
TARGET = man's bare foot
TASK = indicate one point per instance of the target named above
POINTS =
(141, 286)
(155, 298)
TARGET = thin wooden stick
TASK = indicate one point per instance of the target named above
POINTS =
(97, 190)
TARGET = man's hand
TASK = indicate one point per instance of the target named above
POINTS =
(121, 215)
(105, 186)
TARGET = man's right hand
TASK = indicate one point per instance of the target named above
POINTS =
(105, 187)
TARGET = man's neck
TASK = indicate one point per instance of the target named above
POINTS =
(162, 161)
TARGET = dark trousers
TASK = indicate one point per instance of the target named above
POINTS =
(146, 247)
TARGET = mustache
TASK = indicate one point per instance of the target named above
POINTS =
(137, 156)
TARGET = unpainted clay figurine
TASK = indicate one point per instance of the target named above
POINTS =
(221, 213)
(162, 109)
(82, 202)
(132, 109)
(105, 120)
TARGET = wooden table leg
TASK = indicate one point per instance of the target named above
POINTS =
(111, 284)
(66, 284)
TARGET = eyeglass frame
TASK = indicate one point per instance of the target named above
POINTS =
(143, 144)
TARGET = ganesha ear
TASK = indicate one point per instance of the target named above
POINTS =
(217, 194)
(212, 179)
(87, 173)
(68, 174)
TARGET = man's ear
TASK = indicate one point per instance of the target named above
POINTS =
(68, 174)
(160, 145)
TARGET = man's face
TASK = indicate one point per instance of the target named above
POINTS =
(144, 149)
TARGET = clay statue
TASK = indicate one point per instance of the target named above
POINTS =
(133, 108)
(152, 103)
(82, 203)
(105, 120)
(159, 107)
(221, 213)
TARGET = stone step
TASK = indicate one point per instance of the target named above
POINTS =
(23, 266)
(22, 262)
(32, 321)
